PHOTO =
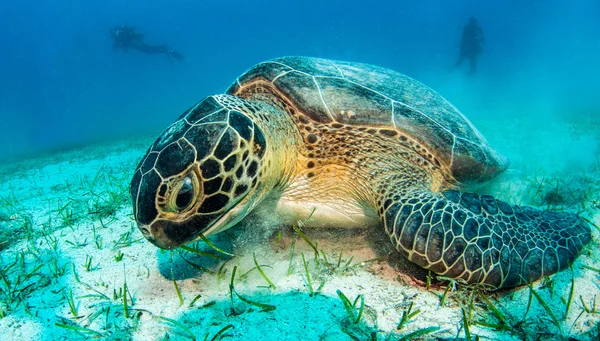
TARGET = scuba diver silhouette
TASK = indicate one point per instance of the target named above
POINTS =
(470, 44)
(125, 37)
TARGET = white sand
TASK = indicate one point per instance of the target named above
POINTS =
(37, 196)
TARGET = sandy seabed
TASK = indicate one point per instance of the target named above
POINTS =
(74, 266)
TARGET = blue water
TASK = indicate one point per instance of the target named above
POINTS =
(62, 84)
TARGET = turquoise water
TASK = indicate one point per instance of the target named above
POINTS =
(77, 115)
(63, 84)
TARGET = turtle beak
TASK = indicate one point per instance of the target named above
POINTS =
(232, 217)
(150, 237)
(145, 230)
(170, 235)
(155, 235)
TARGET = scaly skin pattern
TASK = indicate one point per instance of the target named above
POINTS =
(480, 239)
(210, 168)
(362, 145)
(475, 238)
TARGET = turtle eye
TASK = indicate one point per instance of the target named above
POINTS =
(184, 195)
(186, 192)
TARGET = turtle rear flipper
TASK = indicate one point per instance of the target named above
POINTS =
(481, 239)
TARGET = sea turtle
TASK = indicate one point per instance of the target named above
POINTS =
(361, 145)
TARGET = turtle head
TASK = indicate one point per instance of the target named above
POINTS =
(201, 176)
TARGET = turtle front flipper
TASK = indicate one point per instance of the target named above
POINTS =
(481, 239)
